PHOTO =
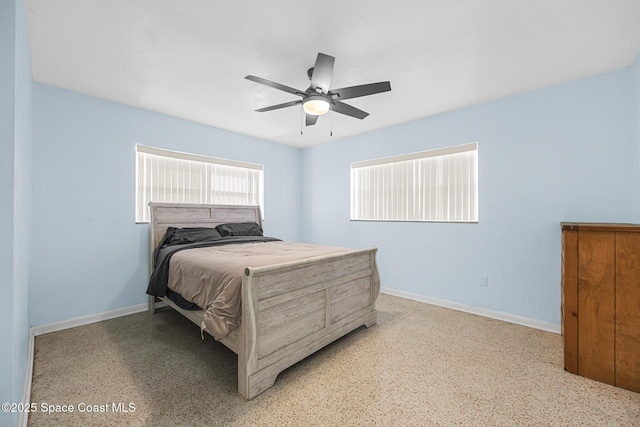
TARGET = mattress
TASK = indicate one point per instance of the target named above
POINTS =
(211, 277)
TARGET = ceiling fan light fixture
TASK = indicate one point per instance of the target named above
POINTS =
(316, 105)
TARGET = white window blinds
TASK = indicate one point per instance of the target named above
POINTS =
(434, 185)
(174, 177)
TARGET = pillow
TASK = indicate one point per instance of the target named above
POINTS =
(239, 229)
(181, 236)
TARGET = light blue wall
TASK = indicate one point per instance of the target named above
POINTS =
(15, 201)
(565, 153)
(7, 167)
(22, 195)
(88, 255)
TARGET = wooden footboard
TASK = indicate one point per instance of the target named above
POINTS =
(292, 310)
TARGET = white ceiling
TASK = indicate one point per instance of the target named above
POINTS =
(188, 58)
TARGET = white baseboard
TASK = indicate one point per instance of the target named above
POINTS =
(85, 320)
(26, 388)
(498, 315)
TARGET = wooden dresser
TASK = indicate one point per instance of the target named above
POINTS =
(601, 302)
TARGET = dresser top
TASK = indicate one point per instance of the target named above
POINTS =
(600, 226)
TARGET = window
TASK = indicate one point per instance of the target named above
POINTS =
(434, 185)
(174, 177)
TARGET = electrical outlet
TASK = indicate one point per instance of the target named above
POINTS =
(482, 280)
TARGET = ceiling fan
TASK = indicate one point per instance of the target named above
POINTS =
(318, 99)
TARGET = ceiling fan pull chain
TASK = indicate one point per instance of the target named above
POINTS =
(331, 122)
(301, 118)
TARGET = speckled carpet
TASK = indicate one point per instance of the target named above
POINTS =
(421, 365)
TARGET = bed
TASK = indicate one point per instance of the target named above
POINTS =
(289, 309)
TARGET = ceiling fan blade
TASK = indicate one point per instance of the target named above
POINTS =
(342, 108)
(322, 72)
(311, 120)
(361, 90)
(277, 107)
(274, 85)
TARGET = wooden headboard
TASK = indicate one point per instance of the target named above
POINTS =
(165, 215)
